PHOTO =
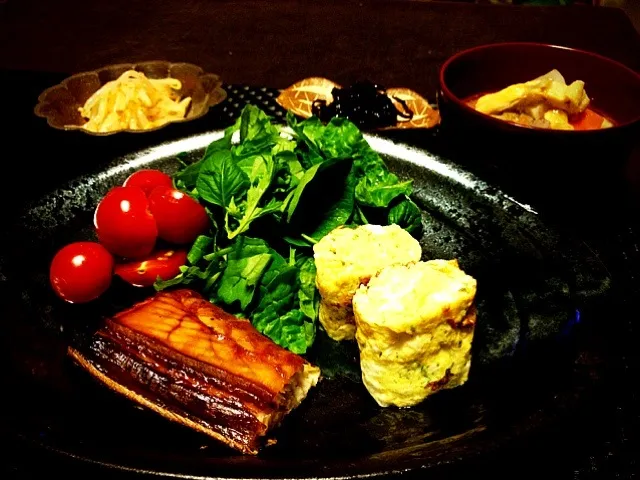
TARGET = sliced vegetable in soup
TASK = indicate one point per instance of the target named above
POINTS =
(544, 102)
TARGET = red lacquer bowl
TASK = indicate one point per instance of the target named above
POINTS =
(547, 165)
(614, 89)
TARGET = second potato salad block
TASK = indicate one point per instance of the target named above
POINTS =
(414, 328)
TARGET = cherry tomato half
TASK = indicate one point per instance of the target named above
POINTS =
(81, 271)
(143, 273)
(147, 180)
(124, 223)
(179, 217)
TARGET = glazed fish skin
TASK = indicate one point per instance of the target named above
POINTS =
(348, 257)
(207, 333)
(193, 363)
(415, 327)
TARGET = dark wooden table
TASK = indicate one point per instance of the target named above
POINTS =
(275, 43)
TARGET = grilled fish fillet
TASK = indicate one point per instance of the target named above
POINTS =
(191, 362)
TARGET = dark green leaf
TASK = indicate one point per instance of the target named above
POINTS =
(186, 178)
(308, 293)
(255, 124)
(246, 264)
(307, 132)
(293, 330)
(340, 139)
(260, 178)
(338, 212)
(223, 143)
(220, 179)
(276, 315)
(306, 178)
(406, 214)
(293, 165)
(379, 187)
(278, 285)
(297, 242)
(327, 202)
(360, 218)
(336, 359)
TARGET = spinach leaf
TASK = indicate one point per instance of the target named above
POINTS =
(203, 269)
(340, 139)
(288, 162)
(246, 263)
(307, 178)
(304, 180)
(220, 179)
(339, 211)
(406, 214)
(193, 274)
(255, 124)
(259, 136)
(297, 242)
(307, 132)
(223, 143)
(360, 217)
(276, 315)
(252, 212)
(186, 178)
(199, 249)
(379, 187)
(180, 279)
(325, 203)
(278, 287)
(293, 330)
(260, 180)
(308, 295)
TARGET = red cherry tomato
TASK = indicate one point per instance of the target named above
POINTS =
(179, 217)
(81, 271)
(143, 273)
(124, 223)
(147, 180)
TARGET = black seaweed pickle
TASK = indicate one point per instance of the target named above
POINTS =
(364, 103)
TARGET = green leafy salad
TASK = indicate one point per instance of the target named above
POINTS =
(272, 190)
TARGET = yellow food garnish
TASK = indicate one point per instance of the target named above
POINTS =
(544, 101)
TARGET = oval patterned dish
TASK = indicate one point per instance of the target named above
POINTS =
(300, 97)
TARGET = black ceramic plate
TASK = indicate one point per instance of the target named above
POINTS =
(537, 291)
